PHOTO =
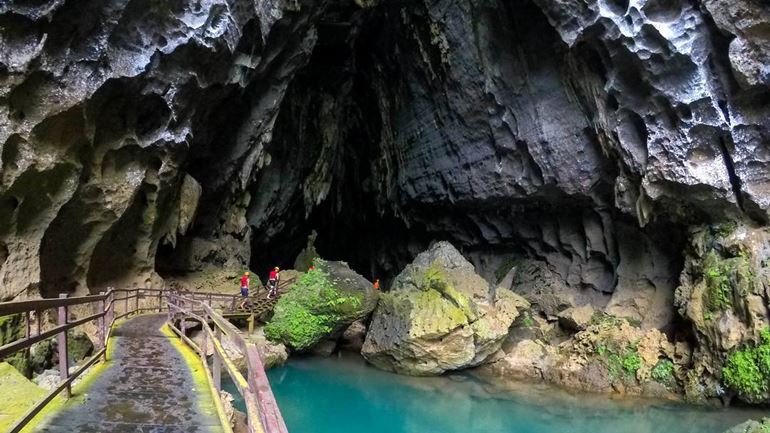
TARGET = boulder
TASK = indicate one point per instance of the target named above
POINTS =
(273, 354)
(353, 337)
(751, 426)
(438, 316)
(576, 318)
(324, 348)
(322, 303)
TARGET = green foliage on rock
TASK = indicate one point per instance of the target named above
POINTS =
(632, 362)
(19, 395)
(12, 329)
(724, 229)
(663, 372)
(722, 277)
(527, 321)
(603, 319)
(311, 310)
(435, 279)
(747, 371)
(621, 358)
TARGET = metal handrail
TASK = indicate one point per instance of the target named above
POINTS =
(263, 413)
(105, 315)
(106, 305)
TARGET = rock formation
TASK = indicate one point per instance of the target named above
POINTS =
(580, 143)
(439, 315)
(724, 296)
(321, 304)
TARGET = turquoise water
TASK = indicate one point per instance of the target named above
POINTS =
(344, 395)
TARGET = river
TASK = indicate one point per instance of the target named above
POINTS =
(344, 395)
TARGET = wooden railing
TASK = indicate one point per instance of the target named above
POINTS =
(262, 410)
(107, 307)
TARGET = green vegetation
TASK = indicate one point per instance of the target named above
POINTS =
(620, 362)
(607, 320)
(663, 372)
(12, 329)
(718, 290)
(310, 310)
(632, 362)
(721, 277)
(747, 371)
(527, 320)
(724, 229)
(434, 278)
(24, 394)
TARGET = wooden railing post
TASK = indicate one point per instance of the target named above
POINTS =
(125, 302)
(204, 344)
(160, 301)
(38, 319)
(29, 325)
(217, 367)
(100, 322)
(63, 358)
(138, 293)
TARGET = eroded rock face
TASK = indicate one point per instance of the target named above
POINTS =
(609, 355)
(724, 296)
(581, 139)
(439, 315)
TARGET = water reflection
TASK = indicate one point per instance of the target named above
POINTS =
(343, 395)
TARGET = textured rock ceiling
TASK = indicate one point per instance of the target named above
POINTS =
(141, 136)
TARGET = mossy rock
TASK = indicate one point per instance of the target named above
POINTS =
(13, 328)
(19, 393)
(322, 303)
(439, 316)
(747, 371)
(79, 346)
(752, 426)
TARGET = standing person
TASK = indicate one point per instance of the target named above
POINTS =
(272, 282)
(376, 284)
(244, 288)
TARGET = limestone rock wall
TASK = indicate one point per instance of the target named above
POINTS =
(584, 136)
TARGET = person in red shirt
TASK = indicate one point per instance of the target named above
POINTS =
(244, 288)
(272, 282)
(376, 284)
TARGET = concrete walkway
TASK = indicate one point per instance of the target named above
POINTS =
(146, 386)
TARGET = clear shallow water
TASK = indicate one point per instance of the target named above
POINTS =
(344, 395)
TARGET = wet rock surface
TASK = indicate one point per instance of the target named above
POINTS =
(439, 315)
(146, 386)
